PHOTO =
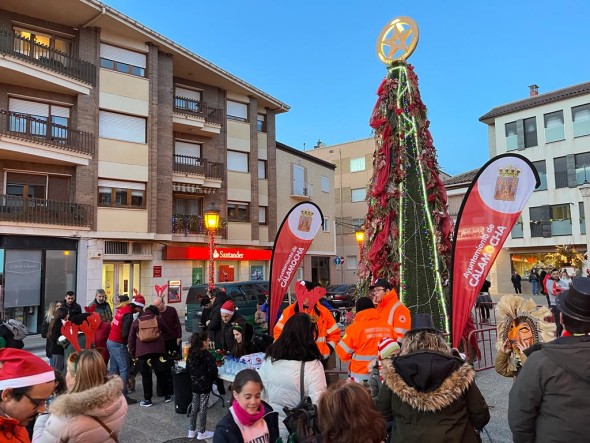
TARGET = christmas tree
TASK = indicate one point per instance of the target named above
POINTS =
(407, 227)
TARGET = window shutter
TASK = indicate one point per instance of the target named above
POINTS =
(122, 127)
(188, 93)
(60, 111)
(189, 149)
(121, 184)
(122, 55)
(28, 107)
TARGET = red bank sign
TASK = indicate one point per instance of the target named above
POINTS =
(219, 253)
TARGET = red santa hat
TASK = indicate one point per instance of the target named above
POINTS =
(139, 300)
(19, 369)
(228, 308)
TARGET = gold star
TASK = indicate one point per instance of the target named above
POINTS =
(397, 41)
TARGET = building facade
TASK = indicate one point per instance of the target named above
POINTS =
(113, 141)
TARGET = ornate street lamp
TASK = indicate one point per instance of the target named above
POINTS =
(211, 222)
(359, 235)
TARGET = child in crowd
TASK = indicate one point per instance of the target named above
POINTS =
(203, 372)
(260, 316)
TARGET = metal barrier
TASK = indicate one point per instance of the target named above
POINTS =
(486, 342)
(479, 315)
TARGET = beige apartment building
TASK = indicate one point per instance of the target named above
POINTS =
(113, 141)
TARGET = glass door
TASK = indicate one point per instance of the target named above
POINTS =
(120, 278)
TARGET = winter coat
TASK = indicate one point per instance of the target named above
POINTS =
(550, 399)
(214, 326)
(44, 331)
(203, 372)
(137, 348)
(432, 396)
(396, 314)
(103, 309)
(73, 309)
(71, 415)
(54, 347)
(226, 333)
(281, 380)
(516, 278)
(375, 382)
(11, 431)
(502, 364)
(227, 430)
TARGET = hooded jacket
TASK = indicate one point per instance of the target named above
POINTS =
(71, 415)
(550, 398)
(396, 314)
(432, 396)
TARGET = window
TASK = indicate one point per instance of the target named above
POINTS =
(113, 193)
(237, 111)
(38, 117)
(582, 162)
(122, 60)
(325, 184)
(511, 137)
(581, 119)
(560, 166)
(326, 224)
(51, 41)
(530, 132)
(262, 215)
(122, 127)
(238, 212)
(262, 169)
(237, 161)
(351, 262)
(187, 149)
(542, 170)
(582, 218)
(187, 205)
(561, 219)
(554, 127)
(517, 231)
(187, 99)
(537, 217)
(358, 194)
(261, 123)
(299, 187)
(357, 164)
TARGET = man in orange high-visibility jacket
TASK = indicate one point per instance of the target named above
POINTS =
(391, 308)
(361, 339)
(328, 331)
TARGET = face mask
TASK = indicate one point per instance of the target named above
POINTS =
(135, 316)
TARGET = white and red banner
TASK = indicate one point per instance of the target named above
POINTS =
(489, 210)
(294, 237)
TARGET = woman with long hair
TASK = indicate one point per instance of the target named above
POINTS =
(49, 314)
(53, 333)
(429, 394)
(242, 346)
(93, 409)
(295, 350)
(347, 414)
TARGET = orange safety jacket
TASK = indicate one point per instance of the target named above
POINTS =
(328, 332)
(396, 314)
(360, 342)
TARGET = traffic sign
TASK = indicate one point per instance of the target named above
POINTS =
(337, 260)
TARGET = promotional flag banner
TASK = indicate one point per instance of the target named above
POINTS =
(489, 210)
(294, 237)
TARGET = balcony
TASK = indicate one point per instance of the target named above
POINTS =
(35, 55)
(184, 164)
(19, 209)
(188, 224)
(304, 192)
(191, 115)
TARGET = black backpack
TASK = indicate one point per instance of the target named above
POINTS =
(302, 420)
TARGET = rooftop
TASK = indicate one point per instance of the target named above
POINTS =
(464, 178)
(304, 155)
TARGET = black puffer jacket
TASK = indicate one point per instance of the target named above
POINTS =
(432, 396)
(227, 430)
(214, 326)
(202, 369)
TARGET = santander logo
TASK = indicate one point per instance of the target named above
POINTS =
(227, 255)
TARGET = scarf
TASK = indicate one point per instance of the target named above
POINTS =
(244, 417)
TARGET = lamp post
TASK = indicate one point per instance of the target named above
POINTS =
(359, 235)
(211, 222)
(585, 191)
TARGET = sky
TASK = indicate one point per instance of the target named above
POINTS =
(319, 57)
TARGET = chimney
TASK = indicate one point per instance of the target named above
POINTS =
(533, 90)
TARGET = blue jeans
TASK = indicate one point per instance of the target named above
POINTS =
(119, 361)
(535, 285)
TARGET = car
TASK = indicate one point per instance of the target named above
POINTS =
(342, 296)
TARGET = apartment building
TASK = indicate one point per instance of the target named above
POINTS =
(303, 177)
(552, 130)
(113, 141)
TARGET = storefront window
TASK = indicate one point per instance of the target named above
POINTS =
(523, 263)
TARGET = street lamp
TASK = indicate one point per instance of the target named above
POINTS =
(359, 235)
(211, 221)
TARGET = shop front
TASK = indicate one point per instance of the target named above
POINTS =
(120, 278)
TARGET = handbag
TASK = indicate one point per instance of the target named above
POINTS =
(302, 421)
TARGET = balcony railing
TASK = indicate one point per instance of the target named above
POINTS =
(186, 164)
(46, 57)
(16, 208)
(36, 129)
(198, 108)
(188, 224)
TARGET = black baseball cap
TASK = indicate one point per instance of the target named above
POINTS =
(380, 282)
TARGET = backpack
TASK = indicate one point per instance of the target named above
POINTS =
(148, 330)
(302, 420)
(18, 329)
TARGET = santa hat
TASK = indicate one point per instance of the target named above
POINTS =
(139, 300)
(19, 369)
(386, 347)
(228, 308)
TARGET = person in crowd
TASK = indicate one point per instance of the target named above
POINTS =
(173, 335)
(554, 288)
(71, 305)
(203, 372)
(151, 353)
(535, 279)
(26, 383)
(484, 301)
(230, 318)
(521, 324)
(430, 394)
(347, 414)
(295, 350)
(119, 360)
(218, 298)
(550, 399)
(41, 420)
(242, 346)
(360, 342)
(101, 336)
(249, 419)
(386, 349)
(260, 316)
(328, 333)
(49, 315)
(207, 305)
(69, 349)
(565, 280)
(390, 307)
(53, 334)
(102, 306)
(516, 282)
(93, 409)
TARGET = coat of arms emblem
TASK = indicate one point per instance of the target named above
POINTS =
(507, 183)
(305, 218)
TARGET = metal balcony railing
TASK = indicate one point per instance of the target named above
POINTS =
(188, 224)
(196, 108)
(46, 57)
(39, 130)
(16, 208)
(186, 164)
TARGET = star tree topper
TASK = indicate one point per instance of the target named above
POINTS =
(397, 40)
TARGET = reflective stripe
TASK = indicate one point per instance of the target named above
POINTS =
(390, 319)
(332, 329)
(333, 344)
(362, 377)
(363, 357)
(345, 347)
(400, 330)
(321, 340)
